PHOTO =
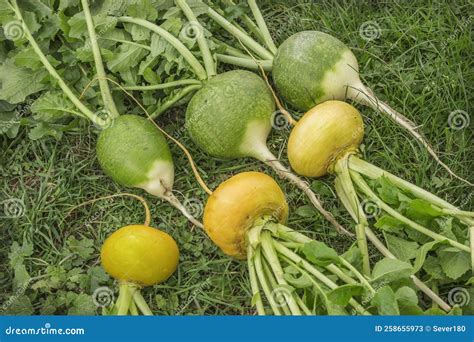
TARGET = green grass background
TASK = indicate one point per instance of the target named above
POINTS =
(421, 64)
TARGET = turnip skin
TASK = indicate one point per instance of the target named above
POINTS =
(140, 255)
(135, 154)
(236, 204)
(311, 67)
(230, 117)
(339, 128)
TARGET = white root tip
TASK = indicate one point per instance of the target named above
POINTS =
(171, 198)
(365, 95)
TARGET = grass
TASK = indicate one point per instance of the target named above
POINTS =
(420, 64)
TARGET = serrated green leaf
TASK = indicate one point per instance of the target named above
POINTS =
(17, 83)
(433, 268)
(127, 57)
(406, 295)
(28, 58)
(84, 247)
(31, 21)
(173, 25)
(39, 8)
(407, 300)
(138, 33)
(386, 301)
(43, 129)
(387, 270)
(6, 12)
(18, 253)
(77, 25)
(63, 4)
(387, 191)
(389, 224)
(419, 209)
(21, 278)
(454, 262)
(403, 249)
(295, 278)
(82, 305)
(143, 9)
(52, 106)
(319, 253)
(421, 254)
(353, 256)
(49, 29)
(20, 305)
(158, 45)
(150, 76)
(342, 294)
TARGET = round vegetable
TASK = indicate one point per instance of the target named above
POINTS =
(230, 117)
(137, 256)
(311, 67)
(340, 131)
(135, 154)
(235, 206)
(140, 255)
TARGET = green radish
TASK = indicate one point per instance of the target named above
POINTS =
(309, 68)
(130, 149)
(334, 150)
(231, 115)
(152, 169)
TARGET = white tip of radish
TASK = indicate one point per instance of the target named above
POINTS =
(344, 74)
(255, 138)
(364, 95)
(161, 178)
